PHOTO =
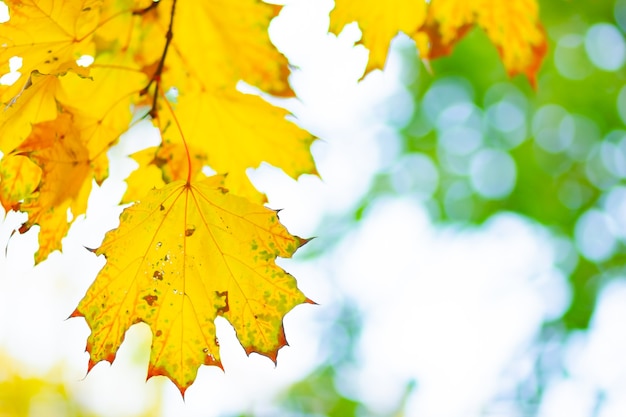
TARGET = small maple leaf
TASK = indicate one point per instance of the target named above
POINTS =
(243, 131)
(55, 148)
(183, 255)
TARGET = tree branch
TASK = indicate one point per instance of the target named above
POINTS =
(156, 78)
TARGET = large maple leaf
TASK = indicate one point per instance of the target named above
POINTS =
(185, 254)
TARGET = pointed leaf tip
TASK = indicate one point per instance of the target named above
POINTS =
(75, 313)
(304, 241)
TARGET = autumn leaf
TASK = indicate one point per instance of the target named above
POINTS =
(65, 172)
(48, 35)
(233, 44)
(513, 27)
(241, 131)
(34, 105)
(436, 26)
(380, 22)
(183, 255)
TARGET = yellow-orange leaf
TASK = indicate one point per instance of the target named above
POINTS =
(437, 25)
(65, 172)
(48, 35)
(183, 255)
(379, 21)
(512, 25)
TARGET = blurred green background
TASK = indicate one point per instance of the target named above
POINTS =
(480, 143)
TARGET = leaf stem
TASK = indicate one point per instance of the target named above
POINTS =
(182, 135)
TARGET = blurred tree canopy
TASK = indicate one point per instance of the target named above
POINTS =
(556, 155)
(480, 143)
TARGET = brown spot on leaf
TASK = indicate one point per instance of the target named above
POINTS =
(158, 333)
(190, 230)
(158, 275)
(225, 308)
(150, 299)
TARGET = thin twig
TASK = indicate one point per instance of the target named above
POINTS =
(156, 78)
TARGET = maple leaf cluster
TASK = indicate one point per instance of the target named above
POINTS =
(191, 247)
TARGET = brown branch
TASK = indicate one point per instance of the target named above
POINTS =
(156, 77)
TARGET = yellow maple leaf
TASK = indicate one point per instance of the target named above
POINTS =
(65, 181)
(437, 25)
(35, 104)
(379, 22)
(239, 131)
(183, 255)
(48, 35)
(513, 27)
(233, 44)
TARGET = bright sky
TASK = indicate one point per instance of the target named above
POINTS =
(455, 309)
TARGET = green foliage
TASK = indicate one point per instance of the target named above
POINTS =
(468, 106)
